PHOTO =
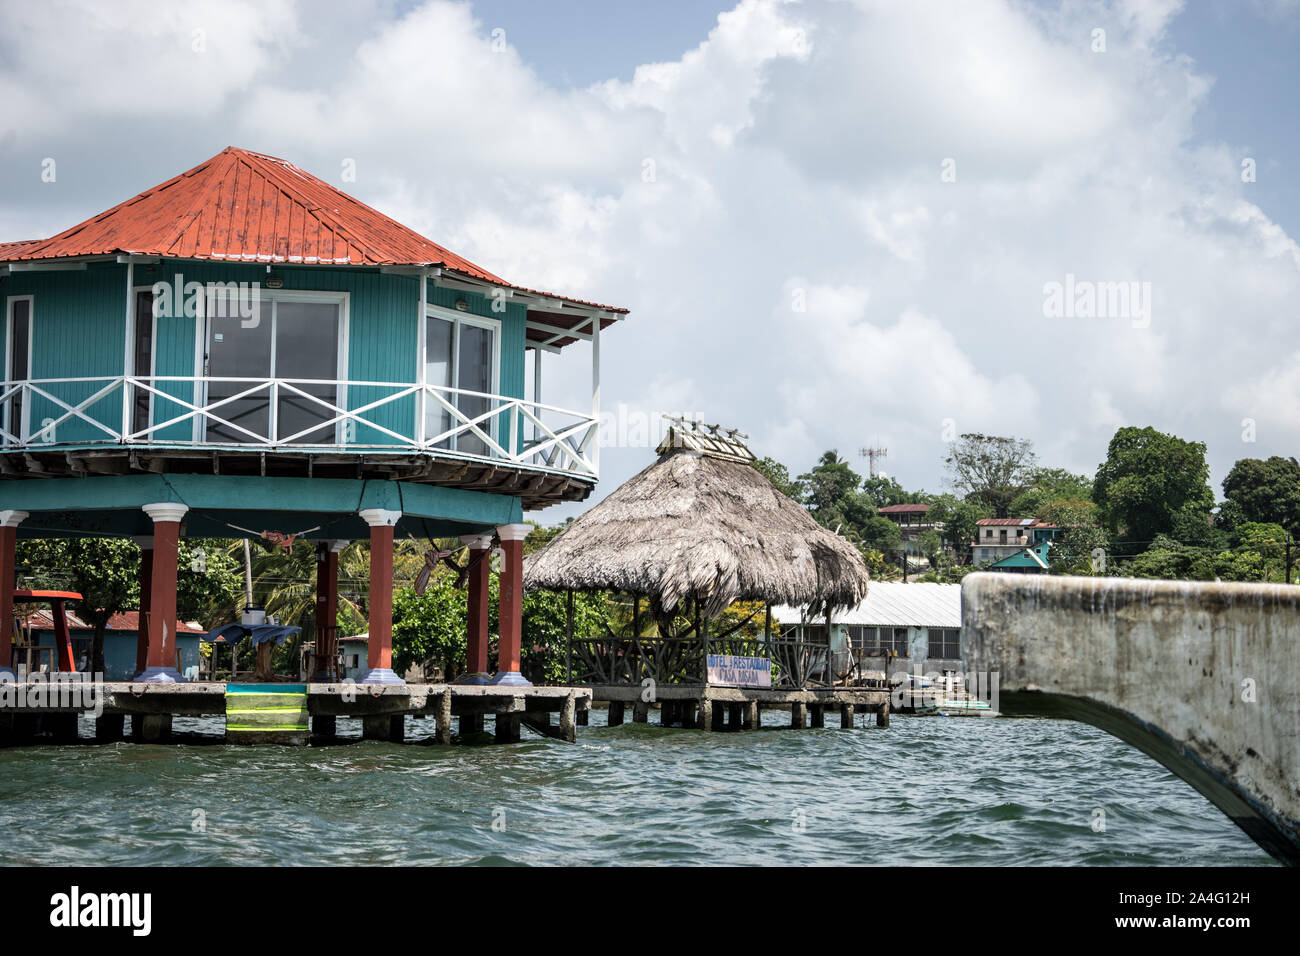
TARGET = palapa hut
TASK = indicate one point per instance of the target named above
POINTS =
(694, 532)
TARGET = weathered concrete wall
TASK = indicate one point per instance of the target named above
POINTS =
(1202, 677)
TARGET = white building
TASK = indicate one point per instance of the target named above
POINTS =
(898, 626)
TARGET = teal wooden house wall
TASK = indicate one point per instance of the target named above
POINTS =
(78, 329)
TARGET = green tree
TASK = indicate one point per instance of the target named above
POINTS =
(1048, 485)
(105, 571)
(1148, 477)
(991, 469)
(1266, 491)
(545, 629)
(779, 475)
(960, 522)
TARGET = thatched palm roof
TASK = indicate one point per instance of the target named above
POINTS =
(703, 523)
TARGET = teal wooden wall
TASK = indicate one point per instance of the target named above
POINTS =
(79, 324)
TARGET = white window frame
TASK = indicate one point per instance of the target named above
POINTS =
(344, 302)
(457, 319)
(153, 345)
(30, 299)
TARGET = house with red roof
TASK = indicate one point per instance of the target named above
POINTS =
(35, 646)
(244, 348)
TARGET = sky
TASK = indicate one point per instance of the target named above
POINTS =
(836, 223)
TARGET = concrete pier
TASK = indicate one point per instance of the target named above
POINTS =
(382, 708)
(728, 708)
(1201, 677)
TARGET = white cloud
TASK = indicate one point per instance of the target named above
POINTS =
(798, 145)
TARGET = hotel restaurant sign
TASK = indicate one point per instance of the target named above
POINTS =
(733, 671)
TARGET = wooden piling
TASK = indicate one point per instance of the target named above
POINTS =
(615, 713)
(751, 719)
(796, 715)
(666, 716)
(718, 715)
(706, 714)
(151, 728)
(568, 727)
(110, 728)
(584, 717)
(733, 716)
(640, 712)
(443, 726)
(882, 715)
(508, 728)
(817, 715)
(846, 716)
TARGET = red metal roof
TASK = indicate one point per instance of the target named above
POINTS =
(904, 509)
(126, 621)
(241, 206)
(1016, 522)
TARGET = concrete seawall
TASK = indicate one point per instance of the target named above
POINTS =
(1205, 678)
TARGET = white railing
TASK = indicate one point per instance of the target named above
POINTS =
(241, 413)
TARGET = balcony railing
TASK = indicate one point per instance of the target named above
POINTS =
(295, 415)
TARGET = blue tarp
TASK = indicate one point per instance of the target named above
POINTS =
(236, 632)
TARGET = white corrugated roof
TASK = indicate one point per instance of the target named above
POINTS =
(894, 604)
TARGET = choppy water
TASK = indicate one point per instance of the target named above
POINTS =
(925, 791)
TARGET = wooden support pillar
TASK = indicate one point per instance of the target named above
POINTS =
(706, 713)
(667, 713)
(846, 716)
(325, 726)
(444, 717)
(584, 717)
(508, 728)
(796, 715)
(640, 712)
(479, 607)
(471, 724)
(146, 595)
(719, 715)
(327, 610)
(110, 728)
(160, 661)
(751, 716)
(510, 597)
(9, 522)
(151, 728)
(882, 715)
(379, 651)
(817, 714)
(733, 716)
(686, 714)
(375, 727)
(615, 713)
(62, 727)
(568, 713)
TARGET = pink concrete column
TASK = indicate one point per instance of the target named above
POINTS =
(160, 662)
(9, 522)
(510, 599)
(380, 649)
(479, 610)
